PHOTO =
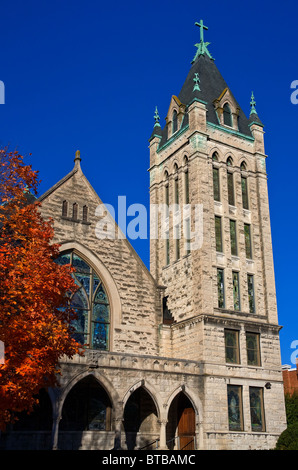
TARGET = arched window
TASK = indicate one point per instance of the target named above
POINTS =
(244, 187)
(243, 166)
(227, 115)
(216, 185)
(85, 213)
(229, 161)
(186, 181)
(90, 302)
(64, 208)
(174, 121)
(75, 211)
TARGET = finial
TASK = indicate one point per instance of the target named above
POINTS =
(202, 46)
(77, 158)
(252, 104)
(156, 118)
(196, 80)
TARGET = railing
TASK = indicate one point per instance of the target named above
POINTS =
(178, 438)
(150, 444)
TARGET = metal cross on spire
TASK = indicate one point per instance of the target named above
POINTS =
(202, 45)
(202, 27)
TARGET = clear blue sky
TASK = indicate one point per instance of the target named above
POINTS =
(87, 75)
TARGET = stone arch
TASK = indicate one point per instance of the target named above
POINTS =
(183, 416)
(149, 389)
(141, 416)
(192, 396)
(102, 380)
(106, 278)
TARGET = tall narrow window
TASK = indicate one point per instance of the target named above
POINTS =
(233, 238)
(253, 349)
(216, 188)
(236, 292)
(227, 115)
(174, 122)
(167, 195)
(85, 213)
(235, 411)
(247, 236)
(75, 211)
(220, 288)
(64, 208)
(90, 302)
(232, 346)
(251, 293)
(256, 400)
(167, 248)
(176, 192)
(218, 234)
(231, 197)
(187, 236)
(177, 242)
(186, 186)
(244, 192)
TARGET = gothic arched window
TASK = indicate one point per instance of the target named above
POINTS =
(90, 302)
(227, 115)
(174, 121)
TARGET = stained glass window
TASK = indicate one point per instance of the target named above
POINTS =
(227, 115)
(236, 292)
(232, 346)
(218, 234)
(220, 288)
(251, 293)
(233, 237)
(244, 192)
(247, 236)
(231, 189)
(253, 349)
(90, 302)
(235, 408)
(216, 190)
(256, 409)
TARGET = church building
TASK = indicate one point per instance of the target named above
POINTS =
(187, 355)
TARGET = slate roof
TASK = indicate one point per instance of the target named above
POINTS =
(211, 85)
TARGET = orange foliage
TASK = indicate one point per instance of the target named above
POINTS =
(34, 313)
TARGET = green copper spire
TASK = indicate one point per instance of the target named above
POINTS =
(202, 46)
(156, 118)
(196, 80)
(253, 104)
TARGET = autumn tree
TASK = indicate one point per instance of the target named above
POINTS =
(35, 319)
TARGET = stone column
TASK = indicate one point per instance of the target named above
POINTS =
(162, 434)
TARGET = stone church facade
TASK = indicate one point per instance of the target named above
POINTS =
(185, 356)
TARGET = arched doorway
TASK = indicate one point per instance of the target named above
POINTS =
(181, 427)
(86, 408)
(140, 421)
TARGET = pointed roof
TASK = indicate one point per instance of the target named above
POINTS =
(205, 83)
(212, 85)
(254, 118)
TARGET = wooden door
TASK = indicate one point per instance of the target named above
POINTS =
(186, 425)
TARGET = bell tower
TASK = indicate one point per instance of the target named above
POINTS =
(210, 226)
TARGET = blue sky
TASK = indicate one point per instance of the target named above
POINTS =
(87, 75)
